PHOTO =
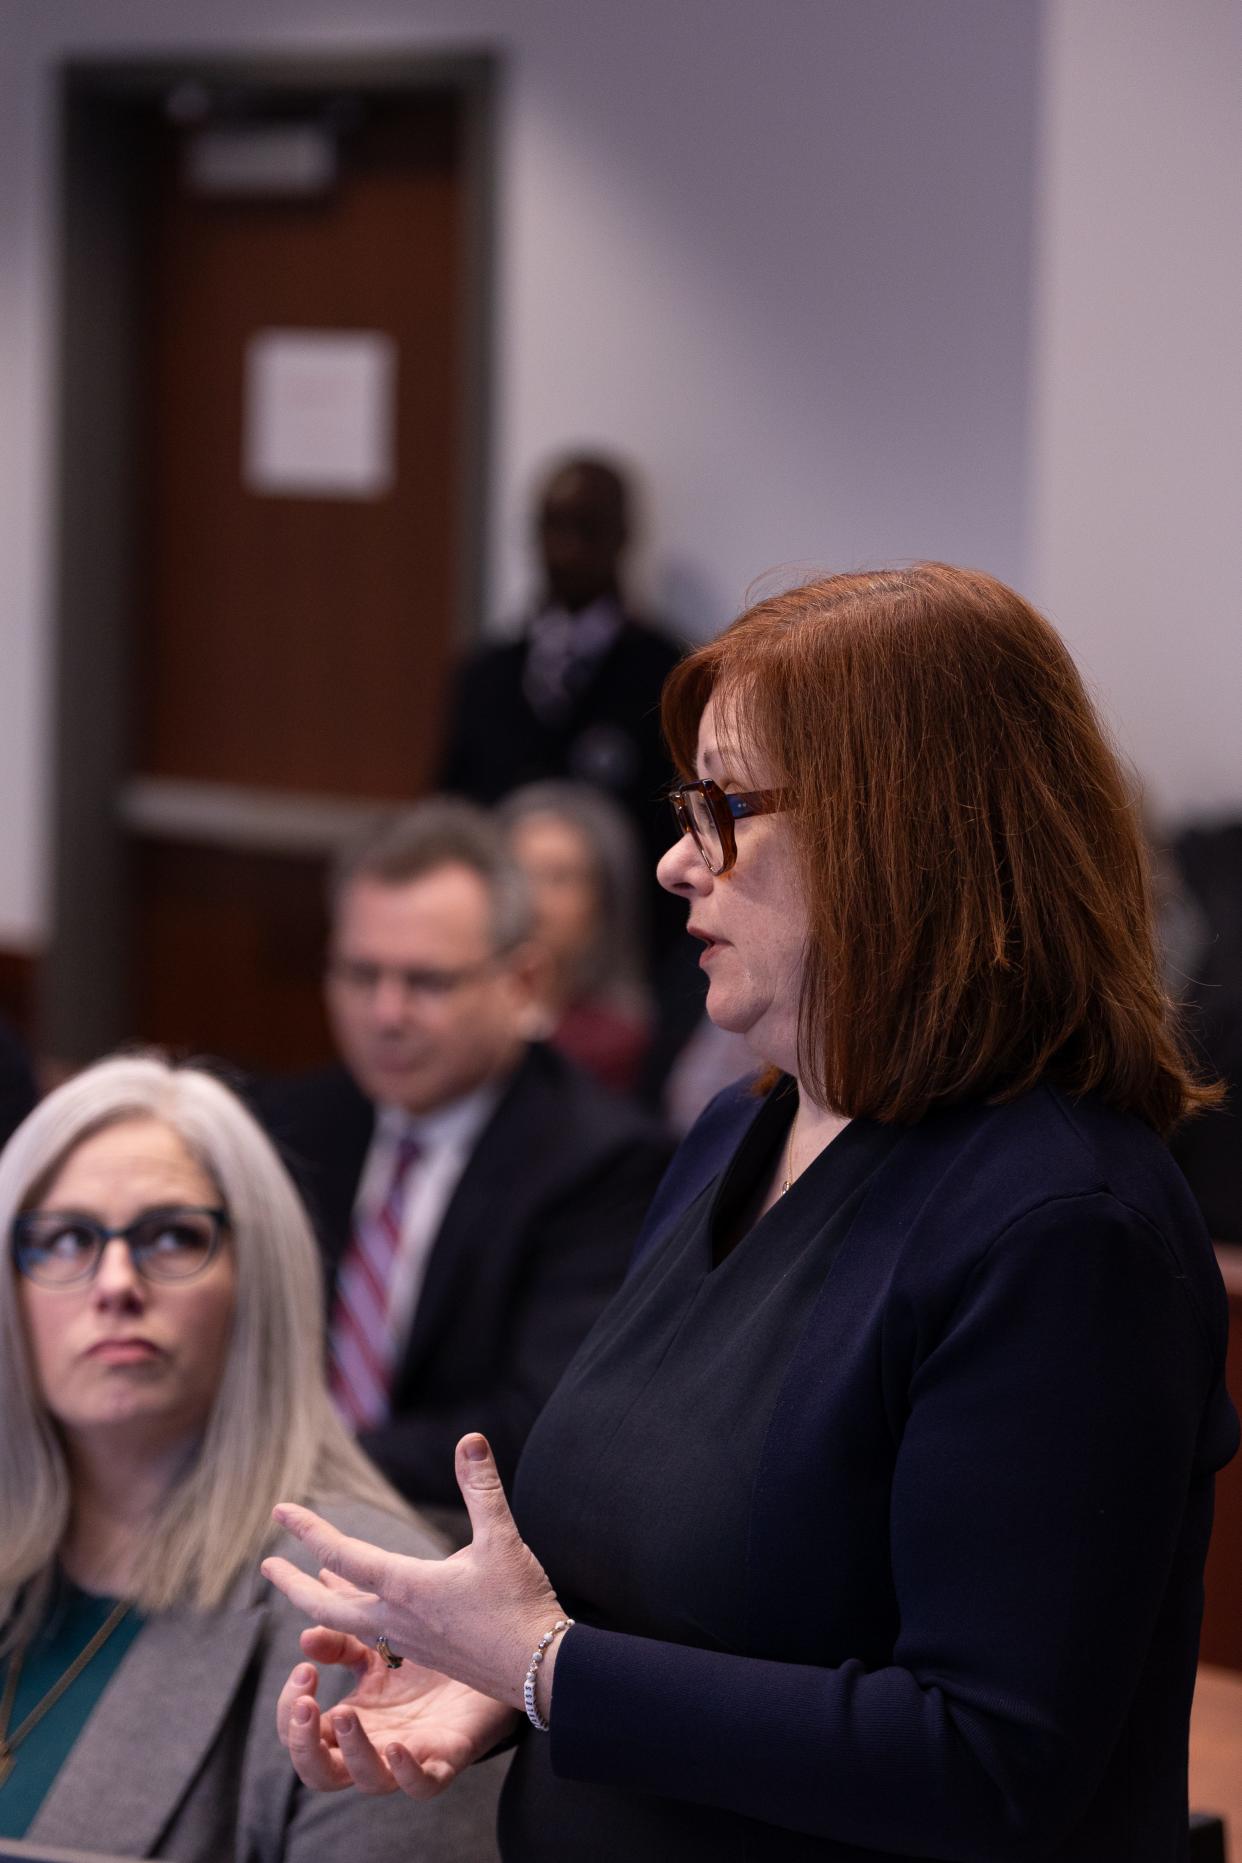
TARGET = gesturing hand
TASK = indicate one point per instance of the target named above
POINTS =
(408, 1729)
(473, 1618)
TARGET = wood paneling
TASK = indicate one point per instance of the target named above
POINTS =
(19, 981)
(299, 642)
(291, 644)
(229, 955)
(1216, 1750)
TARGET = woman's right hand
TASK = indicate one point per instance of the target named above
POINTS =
(405, 1729)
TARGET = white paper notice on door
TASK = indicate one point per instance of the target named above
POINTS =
(319, 414)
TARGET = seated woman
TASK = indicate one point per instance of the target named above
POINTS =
(582, 859)
(161, 1387)
(869, 1522)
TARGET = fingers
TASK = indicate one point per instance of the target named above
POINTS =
(315, 1763)
(333, 1646)
(357, 1560)
(368, 1771)
(352, 1612)
(301, 1685)
(329, 1578)
(482, 1489)
(419, 1779)
(354, 1760)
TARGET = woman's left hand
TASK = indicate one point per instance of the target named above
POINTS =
(401, 1729)
(475, 1616)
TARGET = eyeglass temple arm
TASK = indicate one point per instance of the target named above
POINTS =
(753, 802)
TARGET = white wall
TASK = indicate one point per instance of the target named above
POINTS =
(780, 255)
(783, 255)
(1136, 541)
(25, 184)
(852, 279)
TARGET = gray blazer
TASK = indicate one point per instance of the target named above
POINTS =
(180, 1759)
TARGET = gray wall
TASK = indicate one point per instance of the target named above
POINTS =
(829, 270)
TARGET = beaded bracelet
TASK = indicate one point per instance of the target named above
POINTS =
(528, 1687)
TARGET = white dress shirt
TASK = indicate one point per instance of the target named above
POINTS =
(563, 651)
(446, 1138)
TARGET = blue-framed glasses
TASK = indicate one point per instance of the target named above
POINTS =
(61, 1248)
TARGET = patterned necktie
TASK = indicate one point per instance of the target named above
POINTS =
(562, 654)
(362, 1351)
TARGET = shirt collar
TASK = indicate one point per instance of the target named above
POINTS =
(590, 629)
(455, 1124)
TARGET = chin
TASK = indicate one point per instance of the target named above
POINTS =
(771, 1046)
(122, 1427)
(739, 1018)
(134, 1428)
(397, 1087)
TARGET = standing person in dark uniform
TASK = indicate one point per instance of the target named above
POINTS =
(577, 694)
(869, 1522)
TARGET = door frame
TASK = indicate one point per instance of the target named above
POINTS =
(101, 104)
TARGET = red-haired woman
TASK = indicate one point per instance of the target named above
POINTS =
(870, 1521)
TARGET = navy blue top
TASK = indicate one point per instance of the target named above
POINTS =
(921, 1576)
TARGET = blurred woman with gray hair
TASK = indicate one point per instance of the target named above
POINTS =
(582, 858)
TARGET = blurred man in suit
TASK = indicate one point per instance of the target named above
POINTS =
(476, 1196)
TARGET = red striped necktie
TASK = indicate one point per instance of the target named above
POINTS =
(362, 1352)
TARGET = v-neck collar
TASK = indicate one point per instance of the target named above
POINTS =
(750, 1169)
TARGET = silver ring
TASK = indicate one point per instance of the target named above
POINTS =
(385, 1649)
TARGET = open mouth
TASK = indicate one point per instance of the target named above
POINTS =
(710, 945)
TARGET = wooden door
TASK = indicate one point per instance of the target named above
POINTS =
(289, 650)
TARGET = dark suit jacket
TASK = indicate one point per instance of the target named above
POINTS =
(18, 1091)
(535, 1239)
(974, 1572)
(610, 737)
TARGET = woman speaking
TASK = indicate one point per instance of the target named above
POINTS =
(870, 1520)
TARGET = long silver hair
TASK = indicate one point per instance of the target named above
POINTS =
(615, 963)
(271, 1432)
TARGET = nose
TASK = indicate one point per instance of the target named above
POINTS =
(680, 869)
(390, 1000)
(117, 1282)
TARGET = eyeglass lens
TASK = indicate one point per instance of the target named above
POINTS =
(166, 1245)
(363, 978)
(696, 814)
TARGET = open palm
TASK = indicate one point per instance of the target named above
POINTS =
(407, 1729)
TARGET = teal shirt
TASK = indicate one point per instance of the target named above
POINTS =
(74, 1618)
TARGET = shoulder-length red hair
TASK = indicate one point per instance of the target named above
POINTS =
(976, 878)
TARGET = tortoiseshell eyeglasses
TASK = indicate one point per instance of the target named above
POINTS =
(707, 813)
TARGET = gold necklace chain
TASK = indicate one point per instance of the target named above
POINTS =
(9, 1743)
(790, 1173)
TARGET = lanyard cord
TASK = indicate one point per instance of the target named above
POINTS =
(10, 1743)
